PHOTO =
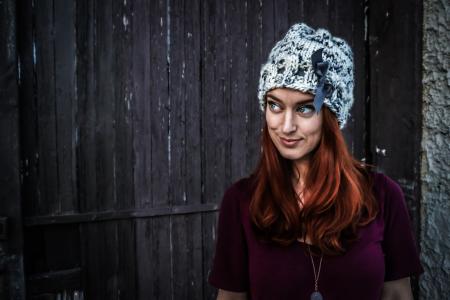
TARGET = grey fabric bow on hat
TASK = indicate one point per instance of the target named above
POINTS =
(320, 69)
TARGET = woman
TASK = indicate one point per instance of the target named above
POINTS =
(312, 222)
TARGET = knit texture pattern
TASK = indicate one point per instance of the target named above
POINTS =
(289, 65)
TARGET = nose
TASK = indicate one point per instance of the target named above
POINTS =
(288, 124)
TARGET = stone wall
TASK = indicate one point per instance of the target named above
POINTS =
(435, 158)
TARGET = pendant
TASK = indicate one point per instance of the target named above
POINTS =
(316, 296)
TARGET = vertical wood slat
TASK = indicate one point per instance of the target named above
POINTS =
(160, 105)
(28, 106)
(123, 118)
(142, 108)
(254, 115)
(214, 127)
(185, 166)
(65, 103)
(109, 260)
(161, 267)
(105, 105)
(43, 53)
(317, 13)
(142, 145)
(238, 84)
(343, 19)
(123, 159)
(86, 85)
(153, 236)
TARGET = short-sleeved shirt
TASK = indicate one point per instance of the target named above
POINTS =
(385, 251)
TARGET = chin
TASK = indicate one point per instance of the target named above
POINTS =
(291, 156)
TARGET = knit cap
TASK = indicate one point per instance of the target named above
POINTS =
(311, 61)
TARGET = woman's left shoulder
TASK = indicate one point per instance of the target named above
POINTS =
(388, 191)
(383, 182)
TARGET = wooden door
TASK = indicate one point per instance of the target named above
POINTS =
(136, 116)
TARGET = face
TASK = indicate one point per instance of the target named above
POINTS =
(293, 125)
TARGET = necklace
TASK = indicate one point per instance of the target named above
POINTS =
(316, 295)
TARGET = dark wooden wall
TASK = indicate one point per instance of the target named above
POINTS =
(135, 116)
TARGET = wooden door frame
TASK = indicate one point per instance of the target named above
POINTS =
(11, 234)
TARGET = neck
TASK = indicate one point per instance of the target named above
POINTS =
(300, 170)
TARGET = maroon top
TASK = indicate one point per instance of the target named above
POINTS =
(385, 251)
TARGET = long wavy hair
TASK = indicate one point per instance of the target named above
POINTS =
(338, 195)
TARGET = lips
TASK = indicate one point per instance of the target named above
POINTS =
(289, 142)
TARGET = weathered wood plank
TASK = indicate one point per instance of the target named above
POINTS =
(65, 103)
(187, 257)
(154, 268)
(185, 172)
(160, 104)
(179, 101)
(317, 13)
(215, 128)
(144, 261)
(100, 264)
(295, 11)
(142, 103)
(109, 260)
(280, 21)
(123, 175)
(255, 59)
(344, 19)
(28, 107)
(105, 105)
(215, 106)
(193, 81)
(43, 51)
(86, 86)
(127, 260)
(238, 65)
(193, 227)
(269, 36)
(209, 222)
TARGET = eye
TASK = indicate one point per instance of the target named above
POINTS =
(307, 109)
(273, 106)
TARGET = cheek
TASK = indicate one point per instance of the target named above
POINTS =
(315, 134)
(272, 120)
(313, 127)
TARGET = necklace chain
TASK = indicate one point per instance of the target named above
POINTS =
(316, 276)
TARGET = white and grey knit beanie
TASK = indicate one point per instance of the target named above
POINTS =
(311, 61)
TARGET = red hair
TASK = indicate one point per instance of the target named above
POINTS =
(338, 194)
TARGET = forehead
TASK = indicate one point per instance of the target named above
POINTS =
(289, 95)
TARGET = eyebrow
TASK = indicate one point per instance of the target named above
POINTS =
(297, 102)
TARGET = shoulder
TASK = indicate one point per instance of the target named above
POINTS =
(241, 187)
(388, 192)
(385, 184)
(238, 194)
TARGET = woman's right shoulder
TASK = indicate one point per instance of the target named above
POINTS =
(239, 192)
(242, 186)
